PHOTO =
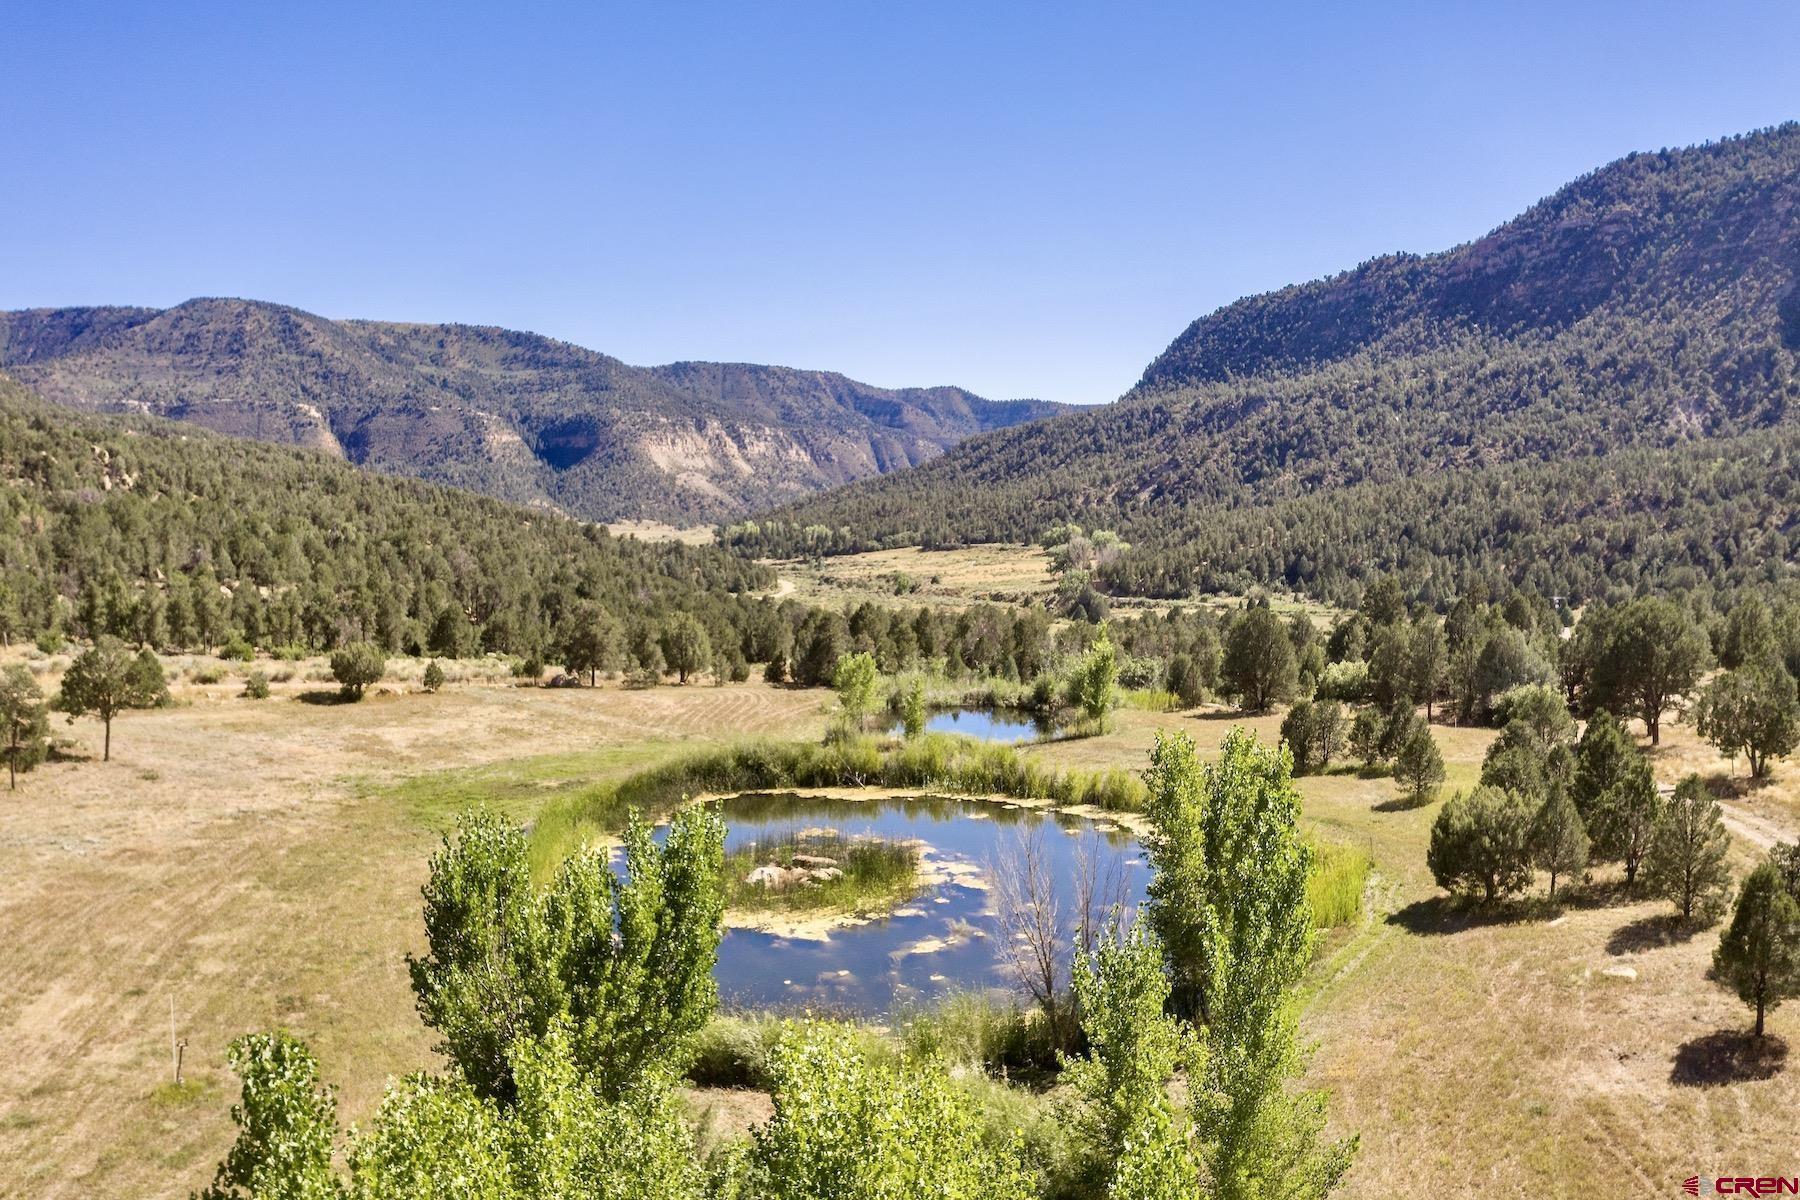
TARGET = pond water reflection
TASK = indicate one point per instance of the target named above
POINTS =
(1008, 725)
(947, 936)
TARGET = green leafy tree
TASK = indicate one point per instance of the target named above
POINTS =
(1749, 639)
(1148, 1147)
(1540, 709)
(848, 1126)
(775, 671)
(1260, 667)
(912, 710)
(148, 680)
(357, 666)
(1759, 956)
(1558, 840)
(1654, 652)
(592, 643)
(105, 680)
(1314, 732)
(1419, 766)
(1184, 679)
(1516, 761)
(1366, 735)
(434, 676)
(1686, 859)
(1626, 817)
(26, 719)
(1482, 840)
(629, 963)
(1428, 662)
(1751, 711)
(686, 647)
(855, 678)
(1094, 683)
(1228, 903)
(286, 1122)
(1602, 757)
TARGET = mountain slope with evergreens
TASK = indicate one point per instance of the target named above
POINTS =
(515, 415)
(1649, 307)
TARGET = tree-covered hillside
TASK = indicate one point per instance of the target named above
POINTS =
(167, 535)
(515, 415)
(1648, 307)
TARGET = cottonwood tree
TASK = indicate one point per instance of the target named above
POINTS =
(1753, 711)
(1558, 840)
(1094, 683)
(1428, 660)
(850, 1126)
(106, 680)
(1228, 904)
(912, 710)
(855, 679)
(1148, 1146)
(1482, 840)
(26, 721)
(1686, 859)
(628, 963)
(435, 1136)
(358, 666)
(286, 1122)
(1259, 667)
(1759, 956)
(1653, 653)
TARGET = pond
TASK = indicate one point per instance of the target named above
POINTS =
(948, 936)
(1008, 725)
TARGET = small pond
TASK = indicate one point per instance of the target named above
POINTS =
(1009, 725)
(946, 937)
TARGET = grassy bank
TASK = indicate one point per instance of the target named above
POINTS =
(952, 765)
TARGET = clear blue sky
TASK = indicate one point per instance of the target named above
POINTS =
(1025, 199)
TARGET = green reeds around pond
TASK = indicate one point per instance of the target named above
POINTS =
(944, 763)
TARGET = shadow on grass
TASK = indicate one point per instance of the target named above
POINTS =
(1651, 933)
(1735, 787)
(1727, 1056)
(1453, 914)
(321, 696)
(1404, 803)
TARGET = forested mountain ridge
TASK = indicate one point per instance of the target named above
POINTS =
(169, 535)
(515, 415)
(1649, 305)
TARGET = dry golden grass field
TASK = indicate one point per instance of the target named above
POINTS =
(258, 863)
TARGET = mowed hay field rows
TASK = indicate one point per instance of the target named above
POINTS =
(258, 863)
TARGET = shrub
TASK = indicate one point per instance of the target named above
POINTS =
(1481, 840)
(256, 686)
(434, 676)
(238, 650)
(356, 666)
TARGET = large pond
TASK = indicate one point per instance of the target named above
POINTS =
(1008, 725)
(949, 935)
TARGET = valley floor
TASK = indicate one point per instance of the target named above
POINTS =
(258, 864)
